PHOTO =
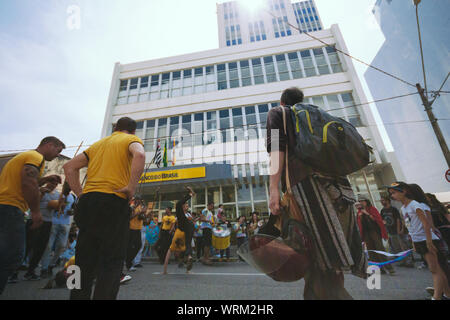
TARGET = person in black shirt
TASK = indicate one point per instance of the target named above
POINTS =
(393, 222)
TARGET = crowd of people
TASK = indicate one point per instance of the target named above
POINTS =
(114, 228)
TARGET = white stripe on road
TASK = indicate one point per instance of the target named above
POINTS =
(216, 274)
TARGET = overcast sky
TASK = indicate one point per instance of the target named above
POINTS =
(55, 80)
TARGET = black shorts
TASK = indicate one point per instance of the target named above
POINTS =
(422, 249)
(207, 237)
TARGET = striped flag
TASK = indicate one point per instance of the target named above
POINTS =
(157, 158)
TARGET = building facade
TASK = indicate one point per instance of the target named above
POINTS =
(407, 124)
(241, 23)
(208, 110)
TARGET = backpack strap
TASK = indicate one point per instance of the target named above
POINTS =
(288, 184)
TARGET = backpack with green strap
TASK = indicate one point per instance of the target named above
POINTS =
(328, 144)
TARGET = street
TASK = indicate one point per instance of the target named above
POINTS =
(229, 281)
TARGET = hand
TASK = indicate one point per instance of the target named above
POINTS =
(36, 217)
(128, 191)
(191, 192)
(274, 202)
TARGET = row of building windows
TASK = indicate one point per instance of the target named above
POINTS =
(306, 16)
(280, 67)
(231, 124)
(257, 31)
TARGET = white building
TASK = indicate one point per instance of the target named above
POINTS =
(210, 109)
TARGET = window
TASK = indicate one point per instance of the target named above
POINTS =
(140, 129)
(282, 67)
(198, 80)
(144, 82)
(198, 129)
(123, 85)
(263, 109)
(174, 125)
(162, 128)
(307, 63)
(221, 77)
(321, 62)
(237, 117)
(295, 65)
(149, 144)
(224, 116)
(250, 115)
(133, 83)
(270, 69)
(210, 79)
(318, 101)
(165, 85)
(186, 133)
(154, 87)
(176, 84)
(258, 76)
(245, 73)
(334, 106)
(233, 75)
(187, 82)
(211, 120)
(334, 59)
(352, 113)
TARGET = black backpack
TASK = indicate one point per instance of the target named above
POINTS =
(328, 144)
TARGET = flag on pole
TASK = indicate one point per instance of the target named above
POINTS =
(173, 154)
(165, 154)
(157, 158)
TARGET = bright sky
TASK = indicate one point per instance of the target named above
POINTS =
(55, 80)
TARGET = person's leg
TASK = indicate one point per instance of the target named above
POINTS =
(227, 252)
(115, 216)
(62, 237)
(166, 261)
(134, 246)
(41, 241)
(45, 261)
(439, 278)
(12, 242)
(139, 255)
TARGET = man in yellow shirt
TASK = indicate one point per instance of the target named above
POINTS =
(20, 180)
(114, 166)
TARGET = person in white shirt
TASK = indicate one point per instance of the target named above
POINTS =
(425, 241)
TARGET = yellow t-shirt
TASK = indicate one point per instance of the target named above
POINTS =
(109, 163)
(167, 222)
(11, 178)
(136, 224)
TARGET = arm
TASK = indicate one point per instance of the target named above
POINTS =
(137, 167)
(276, 169)
(72, 172)
(31, 193)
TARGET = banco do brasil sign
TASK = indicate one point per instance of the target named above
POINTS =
(170, 175)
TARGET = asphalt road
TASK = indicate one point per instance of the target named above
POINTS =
(229, 281)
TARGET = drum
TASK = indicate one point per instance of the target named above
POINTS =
(221, 238)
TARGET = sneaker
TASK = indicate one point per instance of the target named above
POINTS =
(132, 269)
(31, 276)
(125, 278)
(444, 297)
(13, 278)
(139, 266)
(430, 290)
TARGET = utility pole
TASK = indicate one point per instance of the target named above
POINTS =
(434, 123)
(424, 95)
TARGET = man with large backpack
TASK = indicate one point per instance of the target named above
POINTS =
(310, 153)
